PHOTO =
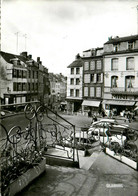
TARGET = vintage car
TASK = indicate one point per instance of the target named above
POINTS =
(107, 131)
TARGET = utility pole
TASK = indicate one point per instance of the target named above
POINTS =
(137, 16)
(17, 34)
(25, 36)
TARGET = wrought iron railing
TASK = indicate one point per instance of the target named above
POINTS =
(23, 147)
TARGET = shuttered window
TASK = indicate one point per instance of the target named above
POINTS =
(114, 64)
(99, 65)
(86, 78)
(86, 91)
(130, 63)
(92, 65)
(98, 91)
(92, 94)
(86, 66)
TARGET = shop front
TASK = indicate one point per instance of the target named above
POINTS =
(117, 105)
(91, 107)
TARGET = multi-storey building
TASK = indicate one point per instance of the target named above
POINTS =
(120, 73)
(74, 85)
(21, 78)
(58, 85)
(92, 80)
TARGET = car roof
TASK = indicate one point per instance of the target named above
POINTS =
(107, 120)
(81, 135)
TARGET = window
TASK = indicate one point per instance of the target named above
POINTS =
(19, 73)
(33, 86)
(130, 45)
(19, 86)
(77, 81)
(29, 87)
(71, 92)
(116, 47)
(130, 63)
(92, 65)
(36, 86)
(36, 74)
(77, 93)
(130, 82)
(114, 64)
(114, 81)
(72, 81)
(29, 73)
(98, 77)
(99, 65)
(86, 78)
(86, 66)
(14, 86)
(92, 77)
(72, 70)
(77, 70)
(24, 86)
(14, 73)
(98, 91)
(33, 74)
(92, 94)
(24, 74)
(86, 91)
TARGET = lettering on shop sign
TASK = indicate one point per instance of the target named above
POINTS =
(119, 97)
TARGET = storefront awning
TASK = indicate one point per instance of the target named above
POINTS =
(119, 102)
(91, 103)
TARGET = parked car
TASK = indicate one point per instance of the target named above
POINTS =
(81, 139)
(108, 130)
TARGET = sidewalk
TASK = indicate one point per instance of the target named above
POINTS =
(106, 177)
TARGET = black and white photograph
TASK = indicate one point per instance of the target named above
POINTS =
(68, 97)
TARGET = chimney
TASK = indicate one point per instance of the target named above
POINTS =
(77, 56)
(24, 54)
(38, 59)
(29, 56)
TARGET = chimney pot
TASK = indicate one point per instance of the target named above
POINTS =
(38, 59)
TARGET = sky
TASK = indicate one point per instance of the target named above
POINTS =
(57, 30)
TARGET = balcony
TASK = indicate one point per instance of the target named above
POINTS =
(123, 90)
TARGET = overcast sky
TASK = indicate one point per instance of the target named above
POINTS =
(59, 29)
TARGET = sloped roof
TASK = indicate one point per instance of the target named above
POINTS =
(76, 63)
(122, 39)
(7, 56)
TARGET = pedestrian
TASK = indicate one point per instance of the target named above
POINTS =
(89, 113)
(94, 118)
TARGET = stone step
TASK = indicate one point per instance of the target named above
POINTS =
(86, 162)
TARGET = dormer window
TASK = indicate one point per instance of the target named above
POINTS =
(130, 45)
(116, 47)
